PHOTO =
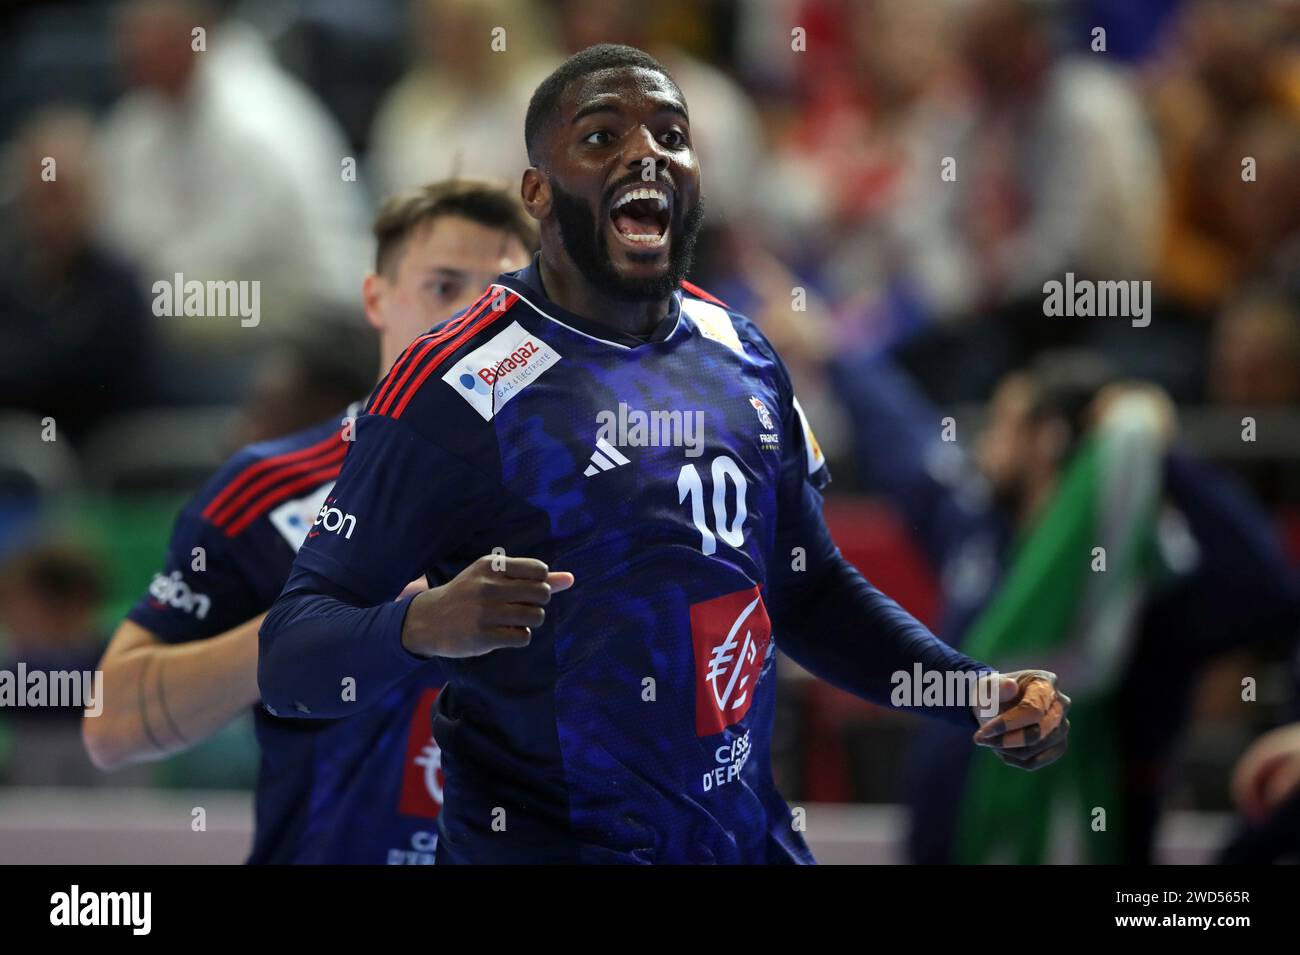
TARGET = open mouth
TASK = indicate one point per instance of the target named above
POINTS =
(640, 216)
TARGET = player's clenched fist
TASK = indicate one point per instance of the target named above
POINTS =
(1030, 730)
(494, 602)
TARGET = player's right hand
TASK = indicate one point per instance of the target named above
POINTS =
(495, 602)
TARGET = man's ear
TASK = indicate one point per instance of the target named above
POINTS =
(372, 294)
(535, 190)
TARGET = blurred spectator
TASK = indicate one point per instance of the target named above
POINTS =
(348, 53)
(853, 188)
(1133, 30)
(220, 166)
(1066, 464)
(297, 385)
(999, 534)
(1227, 91)
(50, 599)
(74, 332)
(1255, 352)
(1061, 172)
(461, 107)
(1052, 166)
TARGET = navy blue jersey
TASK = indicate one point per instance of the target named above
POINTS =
(676, 478)
(363, 790)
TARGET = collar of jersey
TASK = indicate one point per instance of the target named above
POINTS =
(527, 283)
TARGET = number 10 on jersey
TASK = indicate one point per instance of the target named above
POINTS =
(689, 484)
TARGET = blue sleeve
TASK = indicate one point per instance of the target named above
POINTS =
(400, 503)
(899, 452)
(203, 588)
(826, 616)
(1244, 588)
(831, 621)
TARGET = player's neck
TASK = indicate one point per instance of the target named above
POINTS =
(390, 349)
(567, 288)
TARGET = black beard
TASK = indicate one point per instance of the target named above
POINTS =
(585, 241)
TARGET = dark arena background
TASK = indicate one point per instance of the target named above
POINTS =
(1033, 267)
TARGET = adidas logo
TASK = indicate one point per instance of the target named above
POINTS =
(606, 457)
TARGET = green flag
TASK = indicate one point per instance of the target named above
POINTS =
(1068, 604)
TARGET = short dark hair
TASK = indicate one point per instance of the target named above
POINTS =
(56, 573)
(602, 56)
(490, 204)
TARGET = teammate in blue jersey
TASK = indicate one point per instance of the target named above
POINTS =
(184, 662)
(596, 414)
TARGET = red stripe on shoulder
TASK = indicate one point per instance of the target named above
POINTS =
(269, 484)
(415, 351)
(485, 320)
(419, 355)
(700, 293)
(251, 473)
(314, 478)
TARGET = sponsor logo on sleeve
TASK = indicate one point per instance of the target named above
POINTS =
(493, 374)
(293, 519)
(170, 590)
(333, 520)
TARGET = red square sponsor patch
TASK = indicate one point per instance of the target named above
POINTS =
(730, 635)
(422, 771)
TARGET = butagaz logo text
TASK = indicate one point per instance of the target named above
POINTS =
(213, 299)
(72, 689)
(75, 907)
(1085, 298)
(632, 428)
(492, 375)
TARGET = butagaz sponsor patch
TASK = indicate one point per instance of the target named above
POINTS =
(492, 374)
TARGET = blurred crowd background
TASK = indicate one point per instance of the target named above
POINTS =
(264, 156)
